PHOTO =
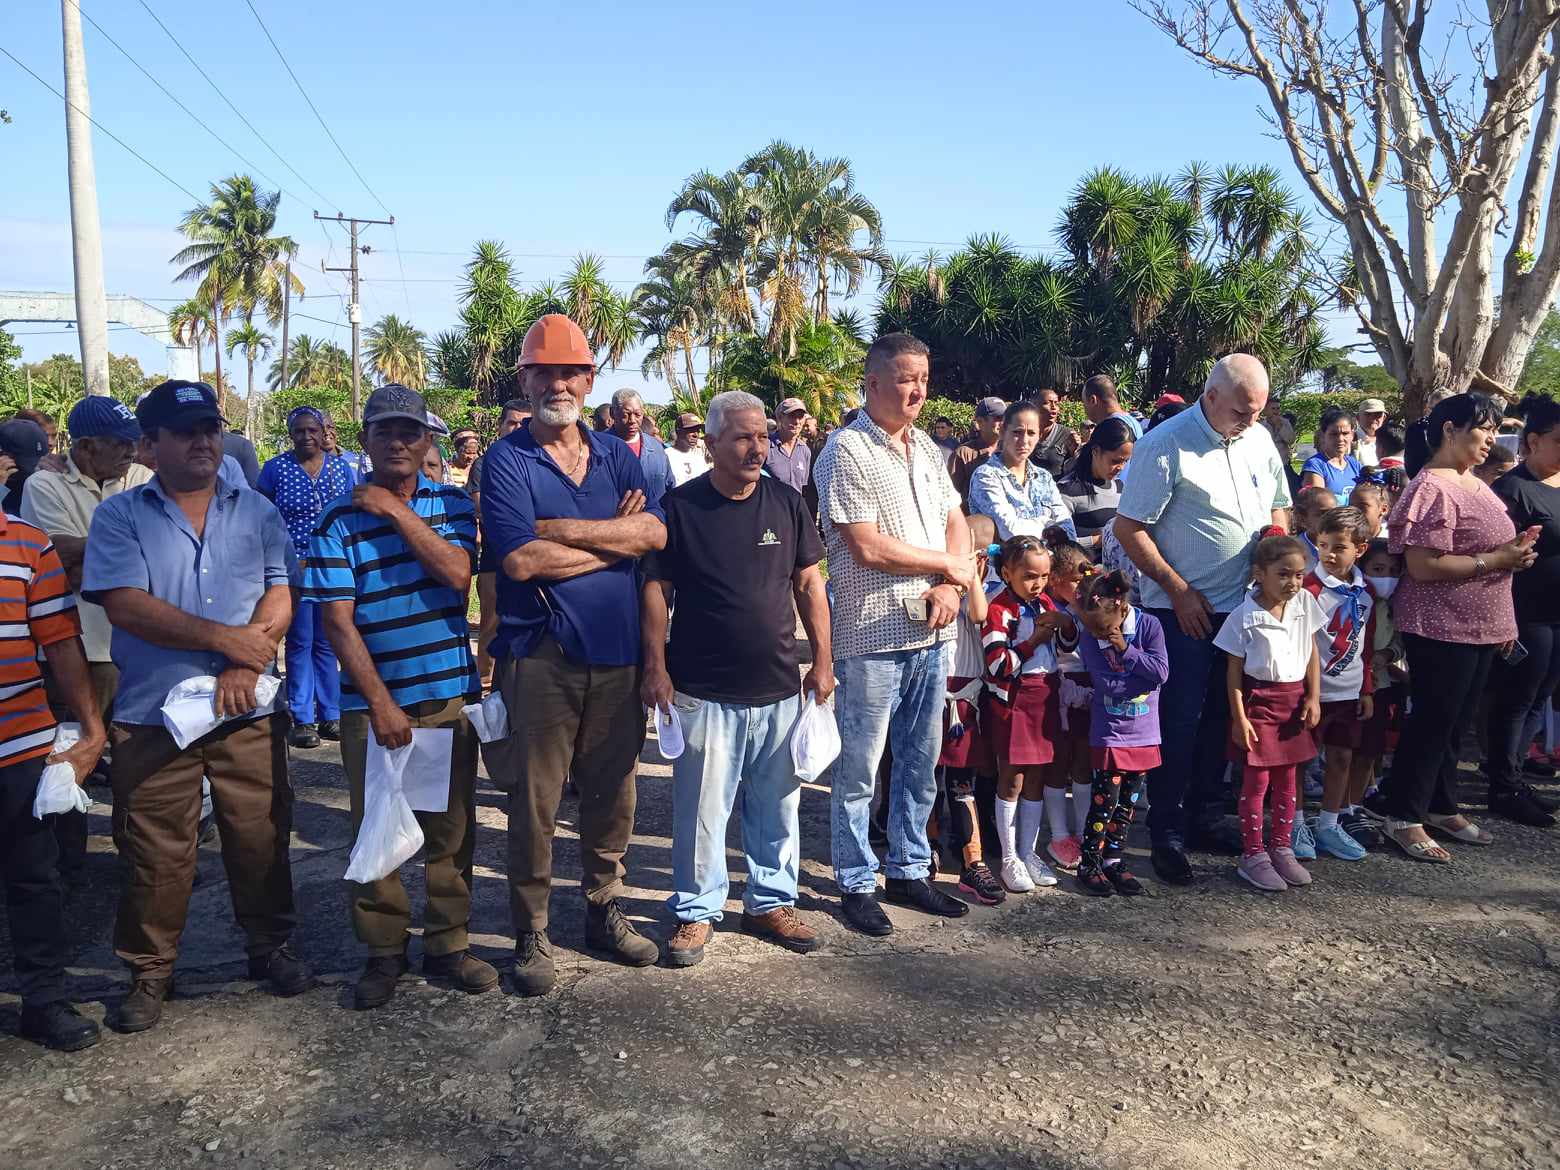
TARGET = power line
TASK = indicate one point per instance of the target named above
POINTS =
(281, 57)
(100, 126)
(231, 106)
(171, 97)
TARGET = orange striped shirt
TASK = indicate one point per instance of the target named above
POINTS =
(37, 609)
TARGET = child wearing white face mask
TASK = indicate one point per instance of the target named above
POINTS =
(1389, 673)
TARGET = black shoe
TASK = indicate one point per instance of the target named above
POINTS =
(1170, 864)
(1543, 769)
(1121, 877)
(59, 1026)
(863, 912)
(1096, 883)
(978, 882)
(288, 974)
(376, 985)
(535, 973)
(1363, 828)
(1548, 803)
(607, 929)
(1517, 804)
(305, 735)
(924, 896)
(463, 969)
(331, 730)
(144, 1005)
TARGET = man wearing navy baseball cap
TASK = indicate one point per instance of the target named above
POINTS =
(196, 573)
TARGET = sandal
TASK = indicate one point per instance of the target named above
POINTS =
(1469, 833)
(1425, 850)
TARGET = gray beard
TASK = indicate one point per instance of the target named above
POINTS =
(561, 416)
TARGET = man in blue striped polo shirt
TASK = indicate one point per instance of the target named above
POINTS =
(391, 564)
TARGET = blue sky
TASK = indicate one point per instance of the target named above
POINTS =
(569, 128)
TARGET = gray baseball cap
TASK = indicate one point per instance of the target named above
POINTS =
(393, 400)
(992, 407)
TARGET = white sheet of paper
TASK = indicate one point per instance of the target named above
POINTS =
(426, 778)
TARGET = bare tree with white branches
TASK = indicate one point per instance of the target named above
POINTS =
(1404, 132)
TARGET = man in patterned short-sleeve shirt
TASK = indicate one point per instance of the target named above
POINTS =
(899, 565)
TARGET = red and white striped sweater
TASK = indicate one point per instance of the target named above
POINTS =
(1009, 622)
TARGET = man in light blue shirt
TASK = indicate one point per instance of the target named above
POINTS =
(1100, 402)
(196, 574)
(1206, 483)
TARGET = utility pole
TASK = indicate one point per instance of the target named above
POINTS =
(354, 308)
(86, 230)
(286, 315)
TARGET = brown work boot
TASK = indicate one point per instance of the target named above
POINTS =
(143, 1006)
(782, 926)
(686, 946)
(608, 930)
(463, 969)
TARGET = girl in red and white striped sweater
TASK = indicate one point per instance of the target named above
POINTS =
(1022, 633)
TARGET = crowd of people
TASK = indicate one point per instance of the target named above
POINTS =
(1023, 636)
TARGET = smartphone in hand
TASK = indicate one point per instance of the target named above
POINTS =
(918, 609)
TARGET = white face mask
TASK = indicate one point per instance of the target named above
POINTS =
(1383, 586)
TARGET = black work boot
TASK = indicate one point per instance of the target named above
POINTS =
(59, 1026)
(535, 973)
(607, 929)
(143, 1007)
(288, 974)
(377, 983)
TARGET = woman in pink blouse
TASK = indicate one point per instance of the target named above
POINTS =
(1455, 612)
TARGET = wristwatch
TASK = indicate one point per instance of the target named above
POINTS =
(1479, 566)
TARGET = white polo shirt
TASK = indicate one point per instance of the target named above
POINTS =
(1276, 649)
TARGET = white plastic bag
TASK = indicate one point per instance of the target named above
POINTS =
(815, 741)
(389, 834)
(489, 718)
(669, 733)
(189, 710)
(58, 791)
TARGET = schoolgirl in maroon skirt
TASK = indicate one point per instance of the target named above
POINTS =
(1274, 684)
(1069, 766)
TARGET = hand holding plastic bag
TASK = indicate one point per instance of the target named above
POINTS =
(389, 834)
(189, 710)
(815, 741)
(489, 718)
(58, 791)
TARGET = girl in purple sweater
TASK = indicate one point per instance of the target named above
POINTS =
(1123, 649)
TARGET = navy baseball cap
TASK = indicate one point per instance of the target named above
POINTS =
(393, 400)
(25, 442)
(100, 417)
(176, 402)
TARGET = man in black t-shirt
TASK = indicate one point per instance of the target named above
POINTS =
(741, 548)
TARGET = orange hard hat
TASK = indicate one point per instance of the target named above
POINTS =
(555, 340)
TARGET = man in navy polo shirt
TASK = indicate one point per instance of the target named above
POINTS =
(391, 563)
(565, 509)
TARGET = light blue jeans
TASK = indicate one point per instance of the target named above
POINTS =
(729, 744)
(894, 698)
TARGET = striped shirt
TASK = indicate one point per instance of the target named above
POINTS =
(1010, 622)
(36, 609)
(415, 629)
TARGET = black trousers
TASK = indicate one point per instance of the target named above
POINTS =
(1518, 696)
(34, 902)
(1445, 682)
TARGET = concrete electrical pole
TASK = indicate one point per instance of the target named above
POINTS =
(355, 308)
(86, 230)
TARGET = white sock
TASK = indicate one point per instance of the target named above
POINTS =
(1327, 820)
(1056, 813)
(1030, 814)
(1083, 796)
(1007, 813)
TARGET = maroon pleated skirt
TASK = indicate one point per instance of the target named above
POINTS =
(973, 748)
(1126, 759)
(1275, 715)
(1025, 734)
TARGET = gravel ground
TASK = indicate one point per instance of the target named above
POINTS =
(1393, 1015)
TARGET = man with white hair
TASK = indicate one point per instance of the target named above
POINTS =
(741, 548)
(628, 419)
(1203, 487)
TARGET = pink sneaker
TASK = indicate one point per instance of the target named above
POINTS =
(1285, 865)
(1067, 852)
(1258, 870)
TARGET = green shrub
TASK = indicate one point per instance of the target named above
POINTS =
(1309, 408)
(962, 414)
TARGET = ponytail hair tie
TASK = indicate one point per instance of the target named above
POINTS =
(1271, 530)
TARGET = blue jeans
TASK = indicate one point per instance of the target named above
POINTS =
(729, 744)
(1194, 724)
(893, 698)
(313, 678)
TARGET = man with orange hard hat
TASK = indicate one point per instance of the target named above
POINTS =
(566, 512)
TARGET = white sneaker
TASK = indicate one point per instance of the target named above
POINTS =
(1015, 876)
(1039, 872)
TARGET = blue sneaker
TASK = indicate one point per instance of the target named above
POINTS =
(1335, 840)
(1301, 841)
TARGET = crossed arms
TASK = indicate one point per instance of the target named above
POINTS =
(571, 548)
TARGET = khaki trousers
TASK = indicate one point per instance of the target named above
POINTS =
(156, 820)
(381, 914)
(487, 625)
(569, 720)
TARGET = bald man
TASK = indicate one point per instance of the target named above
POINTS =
(1203, 486)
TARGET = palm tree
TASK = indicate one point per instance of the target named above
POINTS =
(255, 342)
(240, 265)
(311, 363)
(491, 313)
(191, 324)
(449, 360)
(397, 352)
